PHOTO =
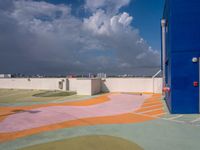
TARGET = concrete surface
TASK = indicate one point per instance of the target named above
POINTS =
(119, 120)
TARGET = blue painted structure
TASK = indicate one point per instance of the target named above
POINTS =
(182, 44)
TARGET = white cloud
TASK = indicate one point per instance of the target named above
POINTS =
(53, 40)
(102, 24)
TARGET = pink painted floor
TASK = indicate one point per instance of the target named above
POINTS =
(118, 104)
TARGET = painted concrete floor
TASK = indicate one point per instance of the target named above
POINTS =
(118, 121)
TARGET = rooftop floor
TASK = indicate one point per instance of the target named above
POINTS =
(117, 121)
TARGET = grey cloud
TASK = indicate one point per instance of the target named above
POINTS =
(39, 37)
(6, 5)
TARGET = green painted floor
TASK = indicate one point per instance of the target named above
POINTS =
(13, 97)
(97, 142)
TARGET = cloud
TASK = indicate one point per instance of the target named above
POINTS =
(102, 24)
(6, 5)
(40, 37)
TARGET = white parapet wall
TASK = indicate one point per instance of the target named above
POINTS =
(35, 83)
(85, 86)
(149, 85)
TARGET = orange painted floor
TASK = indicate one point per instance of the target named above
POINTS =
(150, 109)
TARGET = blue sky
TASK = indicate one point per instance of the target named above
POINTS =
(80, 37)
(147, 18)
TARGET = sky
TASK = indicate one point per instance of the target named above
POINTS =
(58, 37)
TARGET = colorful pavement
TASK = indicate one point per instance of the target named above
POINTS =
(119, 120)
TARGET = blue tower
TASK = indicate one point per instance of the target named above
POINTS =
(180, 55)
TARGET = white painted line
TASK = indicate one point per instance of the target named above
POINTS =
(196, 120)
(152, 106)
(159, 114)
(176, 117)
(157, 117)
(178, 121)
(152, 110)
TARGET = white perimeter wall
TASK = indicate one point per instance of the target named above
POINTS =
(86, 86)
(33, 83)
(81, 86)
(132, 85)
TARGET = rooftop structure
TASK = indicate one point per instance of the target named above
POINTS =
(181, 52)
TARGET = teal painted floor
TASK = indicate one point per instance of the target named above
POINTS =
(152, 135)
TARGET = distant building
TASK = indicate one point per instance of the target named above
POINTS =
(71, 76)
(101, 75)
(91, 75)
(5, 75)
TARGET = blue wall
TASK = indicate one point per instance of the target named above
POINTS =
(183, 43)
